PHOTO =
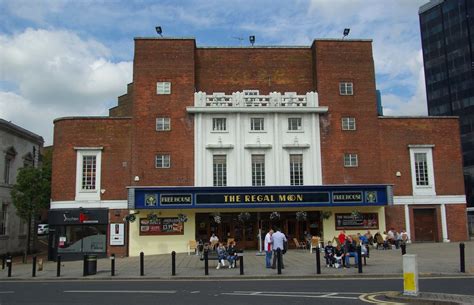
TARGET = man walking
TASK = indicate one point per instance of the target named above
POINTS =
(268, 248)
(278, 243)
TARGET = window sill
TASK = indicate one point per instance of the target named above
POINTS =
(4, 237)
(351, 166)
(219, 131)
(295, 131)
(257, 131)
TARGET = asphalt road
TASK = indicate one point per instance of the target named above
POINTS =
(228, 292)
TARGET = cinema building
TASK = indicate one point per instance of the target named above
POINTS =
(232, 140)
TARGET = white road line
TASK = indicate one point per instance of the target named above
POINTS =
(121, 291)
(292, 295)
(7, 291)
(194, 291)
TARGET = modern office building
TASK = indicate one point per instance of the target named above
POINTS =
(447, 36)
(233, 140)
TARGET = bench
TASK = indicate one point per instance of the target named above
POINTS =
(212, 256)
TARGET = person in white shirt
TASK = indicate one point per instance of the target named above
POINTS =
(268, 248)
(214, 241)
(278, 243)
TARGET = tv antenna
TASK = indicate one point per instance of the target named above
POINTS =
(240, 39)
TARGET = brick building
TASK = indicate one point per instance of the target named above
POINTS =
(224, 137)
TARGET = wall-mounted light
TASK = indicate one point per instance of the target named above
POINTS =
(136, 179)
(159, 31)
(252, 39)
(102, 191)
(346, 32)
(398, 174)
(133, 212)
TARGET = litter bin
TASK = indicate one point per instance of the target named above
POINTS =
(90, 264)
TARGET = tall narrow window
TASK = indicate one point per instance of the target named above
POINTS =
(219, 170)
(296, 169)
(258, 170)
(346, 88)
(294, 124)
(89, 167)
(163, 88)
(421, 169)
(348, 124)
(350, 160)
(9, 157)
(163, 124)
(219, 124)
(256, 124)
(3, 219)
(163, 161)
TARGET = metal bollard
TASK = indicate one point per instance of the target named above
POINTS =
(173, 263)
(318, 261)
(112, 264)
(279, 260)
(84, 262)
(142, 264)
(359, 258)
(404, 249)
(4, 259)
(33, 271)
(461, 254)
(58, 270)
(241, 262)
(206, 262)
(9, 266)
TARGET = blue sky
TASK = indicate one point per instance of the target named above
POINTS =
(73, 58)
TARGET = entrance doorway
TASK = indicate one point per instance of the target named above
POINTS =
(426, 229)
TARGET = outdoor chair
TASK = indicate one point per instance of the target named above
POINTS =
(192, 245)
(298, 244)
(314, 243)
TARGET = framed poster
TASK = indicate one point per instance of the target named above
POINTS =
(363, 221)
(161, 226)
(117, 234)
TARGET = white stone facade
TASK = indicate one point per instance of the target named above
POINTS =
(238, 142)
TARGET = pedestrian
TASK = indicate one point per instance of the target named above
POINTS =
(268, 248)
(279, 240)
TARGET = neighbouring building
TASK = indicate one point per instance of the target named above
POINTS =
(19, 148)
(447, 38)
(233, 140)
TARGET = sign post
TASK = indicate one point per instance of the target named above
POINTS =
(410, 275)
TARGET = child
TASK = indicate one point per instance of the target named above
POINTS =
(329, 254)
(338, 255)
(221, 255)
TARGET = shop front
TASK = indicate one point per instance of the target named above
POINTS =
(75, 232)
(169, 217)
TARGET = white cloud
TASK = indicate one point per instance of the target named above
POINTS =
(57, 73)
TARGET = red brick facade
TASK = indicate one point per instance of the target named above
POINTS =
(130, 144)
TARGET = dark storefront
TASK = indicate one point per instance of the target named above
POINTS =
(75, 232)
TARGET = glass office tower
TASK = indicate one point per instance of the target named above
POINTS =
(447, 36)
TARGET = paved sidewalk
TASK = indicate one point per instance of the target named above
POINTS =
(433, 259)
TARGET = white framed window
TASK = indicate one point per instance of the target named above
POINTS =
(346, 88)
(219, 124)
(3, 219)
(219, 170)
(251, 92)
(257, 124)
(163, 161)
(351, 160)
(348, 124)
(258, 170)
(422, 170)
(295, 124)
(163, 88)
(88, 173)
(296, 169)
(163, 124)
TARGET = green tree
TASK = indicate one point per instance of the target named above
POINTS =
(32, 192)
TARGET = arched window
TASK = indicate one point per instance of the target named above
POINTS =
(28, 160)
(9, 157)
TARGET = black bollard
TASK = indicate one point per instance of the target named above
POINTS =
(279, 260)
(206, 262)
(142, 264)
(404, 248)
(463, 262)
(112, 264)
(4, 259)
(318, 261)
(359, 258)
(84, 261)
(33, 271)
(173, 263)
(241, 262)
(58, 269)
(9, 266)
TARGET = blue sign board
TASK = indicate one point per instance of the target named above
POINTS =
(260, 196)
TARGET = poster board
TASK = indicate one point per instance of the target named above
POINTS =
(161, 226)
(117, 234)
(364, 221)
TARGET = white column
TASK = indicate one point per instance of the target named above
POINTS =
(277, 150)
(407, 222)
(444, 224)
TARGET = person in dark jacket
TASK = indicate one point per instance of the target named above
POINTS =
(350, 250)
(329, 254)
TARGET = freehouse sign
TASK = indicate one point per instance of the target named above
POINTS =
(249, 197)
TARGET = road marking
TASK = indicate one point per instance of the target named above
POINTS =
(332, 295)
(194, 291)
(7, 291)
(372, 298)
(121, 291)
